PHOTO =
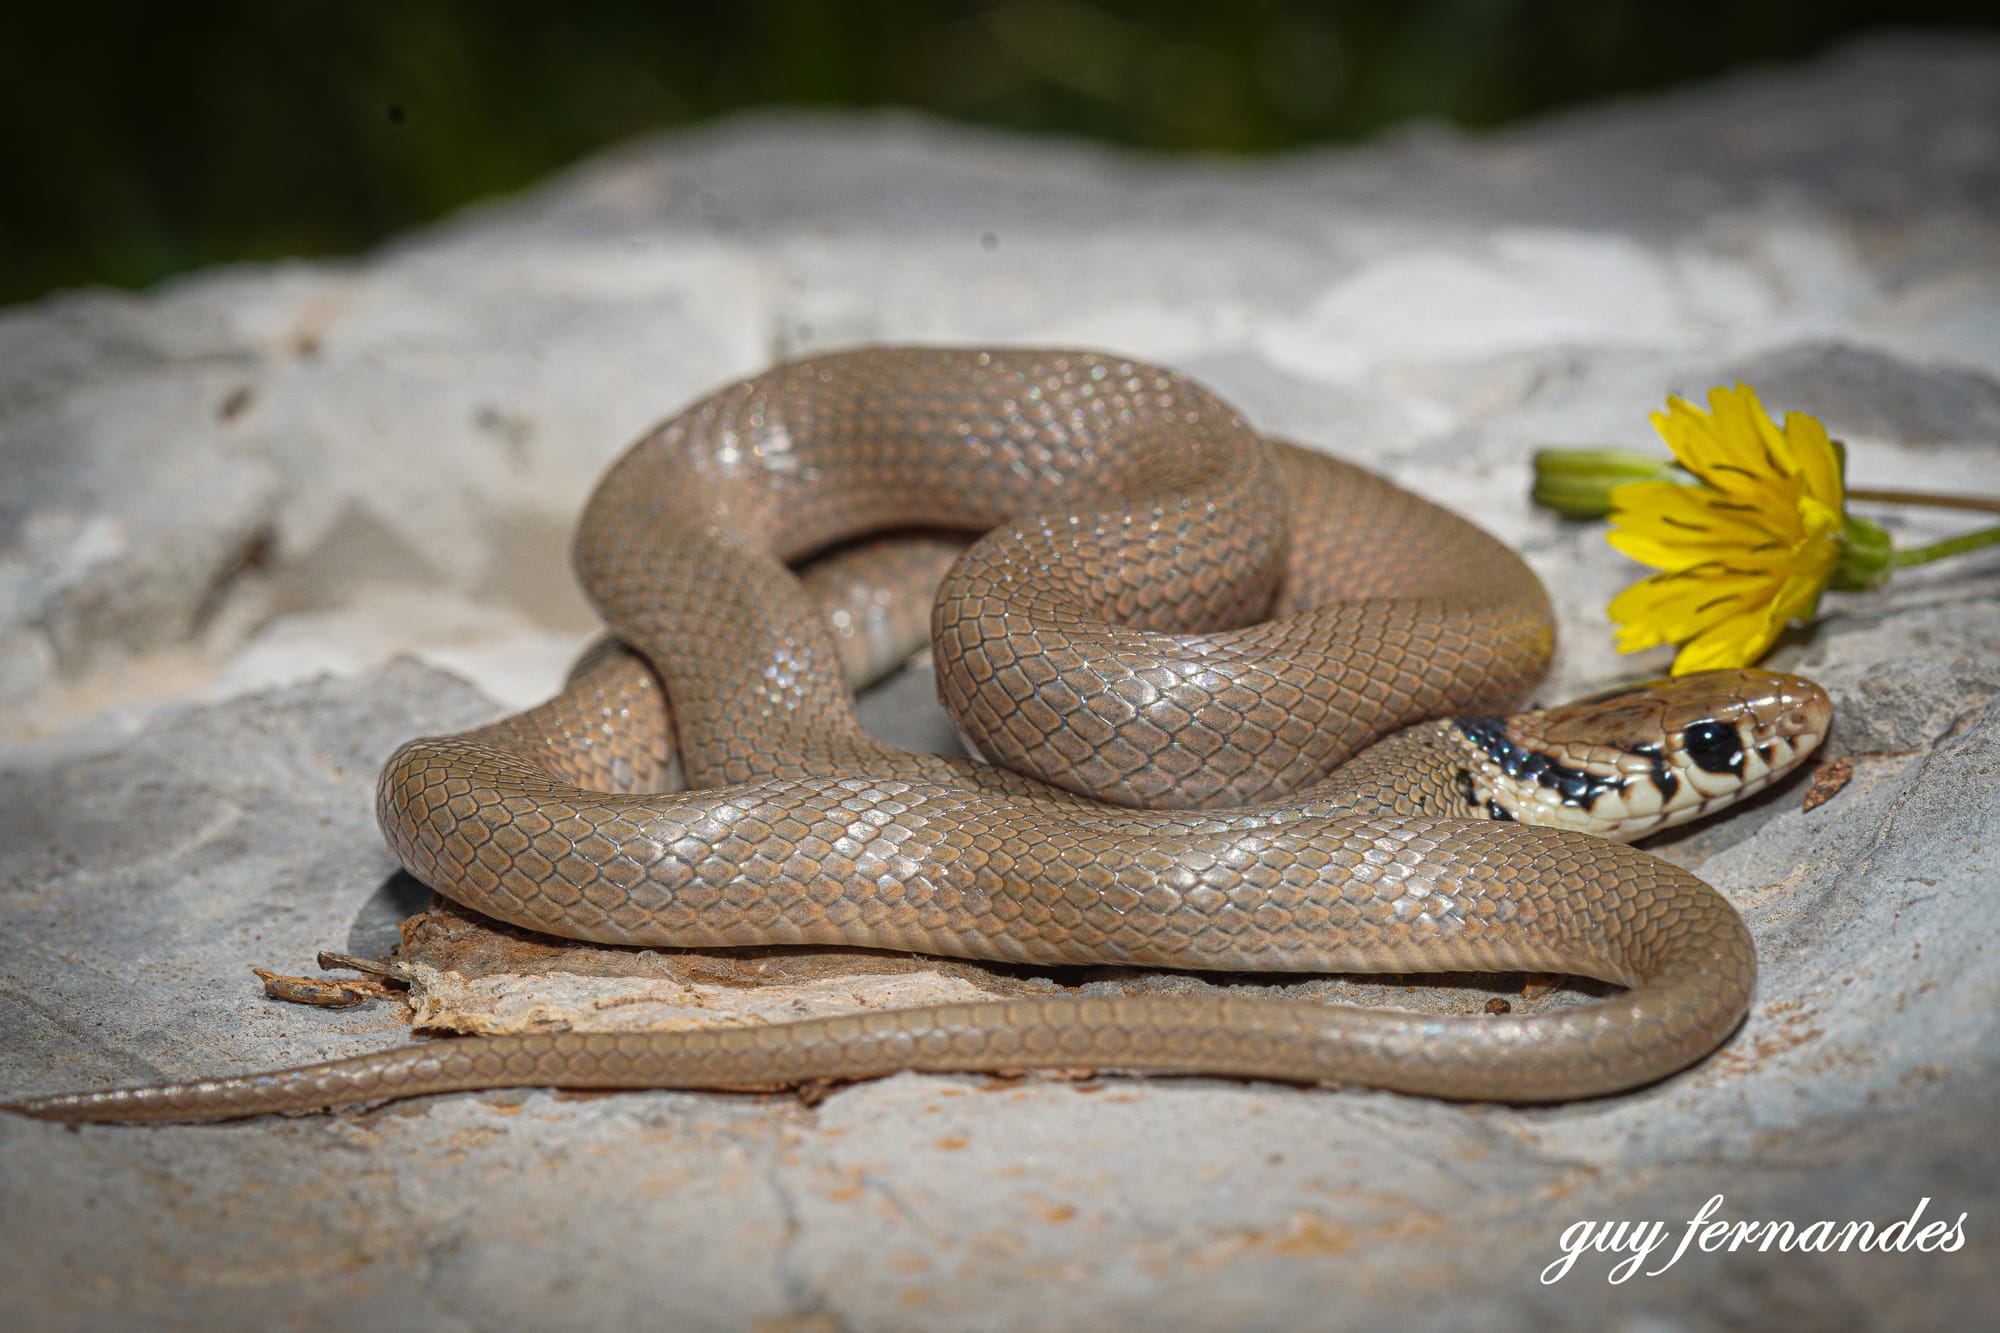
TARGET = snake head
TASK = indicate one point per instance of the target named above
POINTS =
(1633, 760)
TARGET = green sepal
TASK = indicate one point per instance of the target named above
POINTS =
(1866, 556)
(1577, 483)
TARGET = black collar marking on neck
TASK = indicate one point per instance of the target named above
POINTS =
(1578, 788)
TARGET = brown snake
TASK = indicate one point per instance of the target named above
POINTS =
(1195, 625)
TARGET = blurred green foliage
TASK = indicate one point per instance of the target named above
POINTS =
(142, 139)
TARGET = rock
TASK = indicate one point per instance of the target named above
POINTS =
(233, 501)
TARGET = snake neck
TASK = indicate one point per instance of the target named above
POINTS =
(1500, 768)
(1429, 770)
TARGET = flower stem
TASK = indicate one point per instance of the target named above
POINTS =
(1923, 555)
(1931, 498)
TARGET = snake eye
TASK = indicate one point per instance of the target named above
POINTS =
(1714, 746)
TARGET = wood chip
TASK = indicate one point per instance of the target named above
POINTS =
(1828, 779)
(322, 992)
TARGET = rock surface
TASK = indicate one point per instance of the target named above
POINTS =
(233, 500)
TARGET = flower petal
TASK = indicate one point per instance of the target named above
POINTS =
(1795, 599)
(1735, 642)
(1742, 420)
(1675, 607)
(1819, 465)
(1689, 432)
(1741, 640)
(1671, 527)
(1727, 460)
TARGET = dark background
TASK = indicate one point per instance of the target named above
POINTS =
(139, 140)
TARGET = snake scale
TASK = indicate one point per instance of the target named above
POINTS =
(1199, 663)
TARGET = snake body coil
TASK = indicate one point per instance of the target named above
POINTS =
(1174, 637)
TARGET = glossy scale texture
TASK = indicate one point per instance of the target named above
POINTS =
(1108, 636)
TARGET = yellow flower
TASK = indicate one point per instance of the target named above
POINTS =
(1742, 552)
(1747, 528)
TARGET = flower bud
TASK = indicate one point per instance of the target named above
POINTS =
(1577, 483)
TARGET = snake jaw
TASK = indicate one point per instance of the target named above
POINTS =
(1772, 723)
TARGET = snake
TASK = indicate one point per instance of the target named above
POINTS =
(1232, 705)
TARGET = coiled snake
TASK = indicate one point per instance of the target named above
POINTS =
(1179, 645)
